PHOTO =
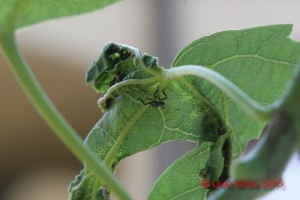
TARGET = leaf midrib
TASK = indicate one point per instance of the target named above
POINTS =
(250, 56)
(109, 158)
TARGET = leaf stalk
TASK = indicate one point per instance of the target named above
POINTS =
(252, 107)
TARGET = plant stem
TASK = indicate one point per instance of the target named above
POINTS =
(53, 118)
(255, 109)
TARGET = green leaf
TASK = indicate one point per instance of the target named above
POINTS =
(20, 13)
(144, 107)
(129, 126)
(203, 163)
(259, 60)
(118, 63)
(182, 175)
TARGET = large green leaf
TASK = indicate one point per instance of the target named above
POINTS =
(258, 60)
(129, 127)
(20, 13)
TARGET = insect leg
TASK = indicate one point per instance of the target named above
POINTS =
(165, 95)
(143, 102)
(155, 93)
(146, 94)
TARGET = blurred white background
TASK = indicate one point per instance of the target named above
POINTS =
(34, 163)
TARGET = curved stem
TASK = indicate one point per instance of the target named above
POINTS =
(255, 109)
(54, 119)
(119, 88)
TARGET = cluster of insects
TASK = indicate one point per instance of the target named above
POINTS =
(117, 53)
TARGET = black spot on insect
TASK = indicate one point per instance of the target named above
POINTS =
(125, 54)
(108, 102)
(114, 81)
(156, 101)
(212, 126)
(113, 48)
(206, 173)
(203, 173)
(226, 152)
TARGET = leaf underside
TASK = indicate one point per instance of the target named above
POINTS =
(258, 60)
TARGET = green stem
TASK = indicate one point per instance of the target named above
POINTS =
(264, 113)
(54, 119)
